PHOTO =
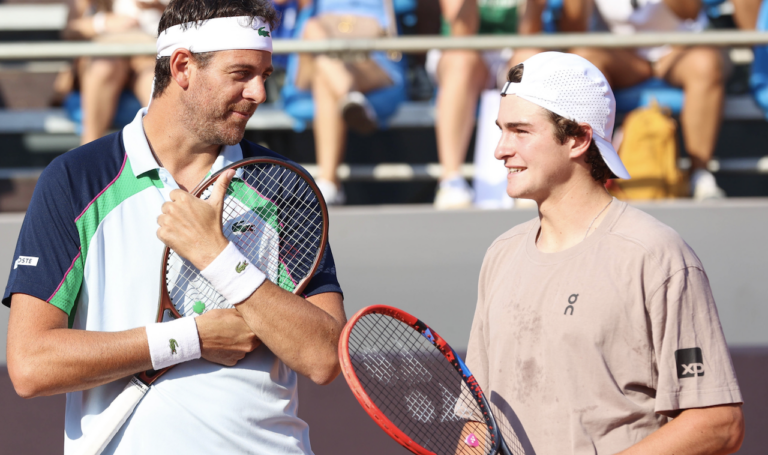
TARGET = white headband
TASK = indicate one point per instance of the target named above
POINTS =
(219, 34)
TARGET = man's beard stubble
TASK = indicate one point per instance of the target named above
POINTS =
(208, 122)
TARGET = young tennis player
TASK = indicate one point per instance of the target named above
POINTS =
(84, 289)
(595, 329)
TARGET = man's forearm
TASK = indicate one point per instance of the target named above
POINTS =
(304, 334)
(716, 430)
(45, 357)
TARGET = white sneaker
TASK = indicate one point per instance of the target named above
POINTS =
(453, 193)
(358, 113)
(333, 195)
(704, 186)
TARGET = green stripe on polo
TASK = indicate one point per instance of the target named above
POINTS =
(125, 186)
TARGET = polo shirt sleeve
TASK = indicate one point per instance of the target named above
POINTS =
(324, 280)
(46, 263)
(693, 362)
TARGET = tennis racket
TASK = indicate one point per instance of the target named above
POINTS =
(415, 386)
(274, 213)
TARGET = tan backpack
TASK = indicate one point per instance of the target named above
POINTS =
(649, 151)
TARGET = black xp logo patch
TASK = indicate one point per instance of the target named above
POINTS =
(690, 363)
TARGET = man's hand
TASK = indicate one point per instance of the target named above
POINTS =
(192, 226)
(225, 338)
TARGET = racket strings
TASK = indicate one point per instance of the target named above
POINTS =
(265, 196)
(416, 387)
(275, 219)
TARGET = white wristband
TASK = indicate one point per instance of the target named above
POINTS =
(173, 342)
(233, 275)
(99, 22)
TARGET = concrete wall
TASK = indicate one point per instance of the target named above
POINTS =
(427, 263)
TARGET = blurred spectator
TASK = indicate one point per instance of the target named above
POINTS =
(462, 75)
(341, 84)
(102, 80)
(698, 70)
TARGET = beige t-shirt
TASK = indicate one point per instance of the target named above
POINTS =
(579, 351)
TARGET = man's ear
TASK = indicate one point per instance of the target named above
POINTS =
(181, 66)
(580, 144)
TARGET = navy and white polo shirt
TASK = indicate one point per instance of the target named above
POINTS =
(88, 246)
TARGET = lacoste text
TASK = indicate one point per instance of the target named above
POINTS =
(25, 260)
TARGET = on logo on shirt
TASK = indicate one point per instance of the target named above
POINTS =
(25, 260)
(690, 363)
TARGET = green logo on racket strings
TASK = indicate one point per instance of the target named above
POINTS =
(241, 266)
(173, 344)
(198, 307)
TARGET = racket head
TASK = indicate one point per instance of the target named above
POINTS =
(414, 385)
(275, 214)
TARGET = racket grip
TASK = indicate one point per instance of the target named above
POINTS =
(112, 419)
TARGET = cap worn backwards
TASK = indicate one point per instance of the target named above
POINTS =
(572, 87)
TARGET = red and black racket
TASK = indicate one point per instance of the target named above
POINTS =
(415, 386)
(275, 215)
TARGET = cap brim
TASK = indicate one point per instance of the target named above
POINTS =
(611, 158)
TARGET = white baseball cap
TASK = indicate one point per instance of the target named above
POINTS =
(570, 86)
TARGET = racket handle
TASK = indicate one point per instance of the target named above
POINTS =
(112, 419)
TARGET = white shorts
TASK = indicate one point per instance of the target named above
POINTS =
(495, 60)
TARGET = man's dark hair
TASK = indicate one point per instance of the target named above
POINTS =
(567, 128)
(194, 11)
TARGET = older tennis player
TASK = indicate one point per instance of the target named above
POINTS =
(84, 287)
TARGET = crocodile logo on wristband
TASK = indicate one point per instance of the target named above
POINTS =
(241, 266)
(173, 344)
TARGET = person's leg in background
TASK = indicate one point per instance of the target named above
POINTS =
(700, 73)
(745, 13)
(461, 77)
(102, 80)
(337, 92)
(143, 70)
(330, 139)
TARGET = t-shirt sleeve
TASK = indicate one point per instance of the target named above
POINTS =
(46, 263)
(477, 348)
(324, 279)
(694, 366)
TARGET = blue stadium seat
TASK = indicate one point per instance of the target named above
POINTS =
(758, 80)
(127, 107)
(645, 92)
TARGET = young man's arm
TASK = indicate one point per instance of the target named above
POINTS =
(45, 357)
(714, 430)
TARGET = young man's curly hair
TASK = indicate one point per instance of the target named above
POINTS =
(193, 11)
(567, 128)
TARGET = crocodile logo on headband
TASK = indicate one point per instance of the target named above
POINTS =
(263, 32)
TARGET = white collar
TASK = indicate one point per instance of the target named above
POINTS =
(142, 160)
